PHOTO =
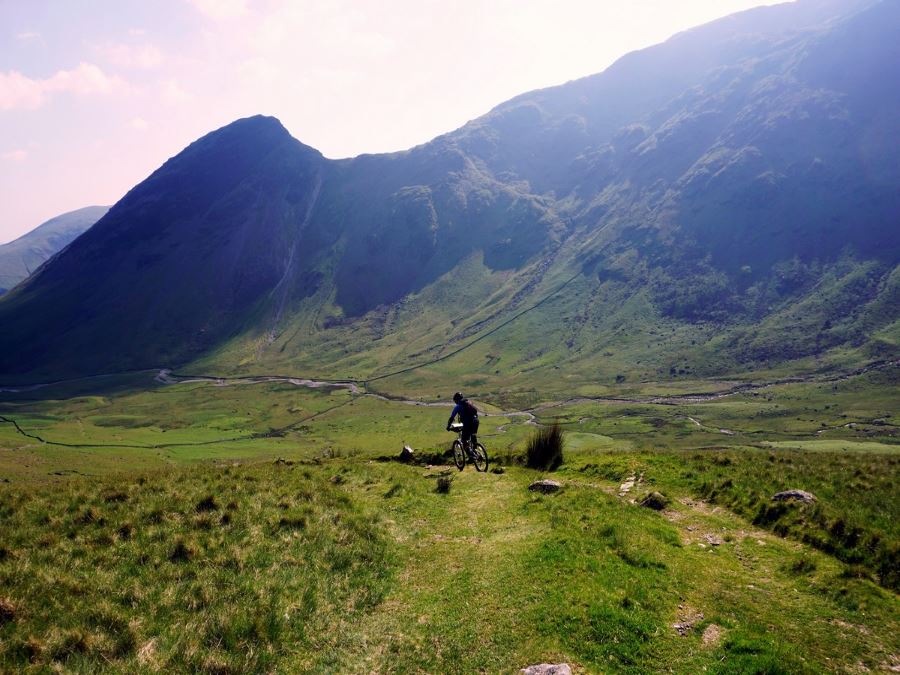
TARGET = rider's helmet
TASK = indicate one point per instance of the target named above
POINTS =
(457, 397)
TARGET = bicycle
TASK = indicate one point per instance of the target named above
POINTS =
(463, 452)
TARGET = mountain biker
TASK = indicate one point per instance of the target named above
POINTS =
(468, 415)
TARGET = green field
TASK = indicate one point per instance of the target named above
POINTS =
(259, 527)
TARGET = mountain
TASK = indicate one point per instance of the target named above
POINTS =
(21, 257)
(725, 201)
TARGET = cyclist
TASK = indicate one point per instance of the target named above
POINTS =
(468, 415)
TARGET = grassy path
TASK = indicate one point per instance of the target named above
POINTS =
(491, 578)
(455, 604)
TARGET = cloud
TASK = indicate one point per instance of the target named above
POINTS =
(139, 124)
(15, 155)
(145, 56)
(28, 35)
(19, 91)
(221, 10)
(173, 93)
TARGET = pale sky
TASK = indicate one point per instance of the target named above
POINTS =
(96, 94)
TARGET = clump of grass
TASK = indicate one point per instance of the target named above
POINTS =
(88, 516)
(181, 552)
(545, 448)
(443, 485)
(7, 610)
(208, 503)
(803, 564)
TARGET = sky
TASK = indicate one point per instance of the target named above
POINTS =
(96, 94)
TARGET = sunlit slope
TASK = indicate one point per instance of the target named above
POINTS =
(26, 254)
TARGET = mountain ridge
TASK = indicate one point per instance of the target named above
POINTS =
(251, 247)
(22, 256)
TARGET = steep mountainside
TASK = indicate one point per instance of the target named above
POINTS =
(21, 257)
(725, 200)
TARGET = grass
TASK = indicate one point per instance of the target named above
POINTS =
(544, 449)
(279, 543)
(204, 570)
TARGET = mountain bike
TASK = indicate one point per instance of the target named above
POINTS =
(463, 452)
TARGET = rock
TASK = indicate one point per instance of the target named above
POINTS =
(656, 501)
(545, 486)
(714, 540)
(688, 618)
(798, 495)
(407, 454)
(629, 484)
(498, 470)
(548, 669)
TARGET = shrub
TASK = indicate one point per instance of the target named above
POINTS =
(545, 448)
(443, 485)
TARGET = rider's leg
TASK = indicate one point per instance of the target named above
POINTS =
(467, 438)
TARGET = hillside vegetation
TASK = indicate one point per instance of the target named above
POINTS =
(265, 525)
(721, 203)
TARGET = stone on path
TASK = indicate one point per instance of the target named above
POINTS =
(714, 540)
(548, 669)
(625, 487)
(798, 495)
(545, 486)
(655, 501)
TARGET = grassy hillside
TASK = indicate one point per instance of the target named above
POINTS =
(258, 526)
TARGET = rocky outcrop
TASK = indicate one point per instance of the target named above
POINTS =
(656, 501)
(548, 669)
(545, 487)
(795, 495)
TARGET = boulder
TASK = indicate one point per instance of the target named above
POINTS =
(548, 669)
(656, 501)
(407, 454)
(545, 486)
(795, 495)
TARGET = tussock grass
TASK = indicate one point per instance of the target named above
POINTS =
(163, 577)
(544, 449)
(444, 483)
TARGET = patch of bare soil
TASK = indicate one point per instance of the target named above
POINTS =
(688, 617)
(712, 636)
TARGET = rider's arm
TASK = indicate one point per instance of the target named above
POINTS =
(452, 415)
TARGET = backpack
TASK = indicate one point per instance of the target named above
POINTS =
(467, 411)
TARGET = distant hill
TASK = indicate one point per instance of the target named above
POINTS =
(726, 201)
(21, 257)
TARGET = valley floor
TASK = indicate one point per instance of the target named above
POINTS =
(264, 526)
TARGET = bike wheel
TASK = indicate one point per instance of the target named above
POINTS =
(480, 457)
(459, 455)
